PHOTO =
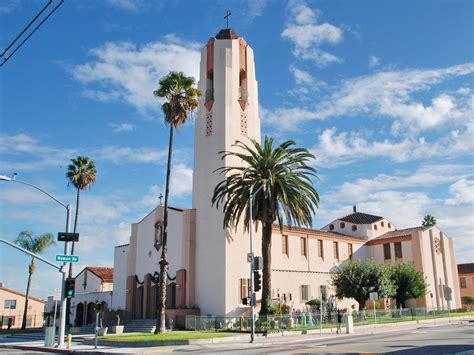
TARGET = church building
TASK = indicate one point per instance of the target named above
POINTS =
(209, 272)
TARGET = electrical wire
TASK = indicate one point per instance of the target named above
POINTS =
(5, 59)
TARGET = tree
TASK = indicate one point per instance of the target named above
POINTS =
(408, 282)
(279, 179)
(81, 174)
(356, 279)
(428, 221)
(36, 245)
(182, 98)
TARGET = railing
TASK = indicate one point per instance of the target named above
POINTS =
(33, 319)
(307, 320)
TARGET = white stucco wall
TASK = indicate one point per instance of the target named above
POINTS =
(120, 276)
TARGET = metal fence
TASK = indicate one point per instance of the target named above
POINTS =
(15, 319)
(307, 320)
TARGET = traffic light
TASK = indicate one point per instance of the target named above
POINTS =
(69, 289)
(257, 281)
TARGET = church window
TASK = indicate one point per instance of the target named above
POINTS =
(290, 297)
(243, 124)
(381, 224)
(354, 228)
(342, 225)
(320, 248)
(389, 225)
(208, 124)
(9, 304)
(303, 246)
(437, 246)
(398, 250)
(304, 289)
(331, 227)
(462, 282)
(244, 288)
(284, 244)
(375, 227)
(386, 252)
(335, 246)
(349, 250)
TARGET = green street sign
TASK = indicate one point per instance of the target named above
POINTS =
(67, 258)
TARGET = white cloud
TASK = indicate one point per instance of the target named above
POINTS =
(307, 35)
(9, 6)
(302, 77)
(373, 61)
(255, 8)
(182, 180)
(122, 127)
(130, 5)
(389, 94)
(117, 154)
(462, 192)
(335, 149)
(109, 76)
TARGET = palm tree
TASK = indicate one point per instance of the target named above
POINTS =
(182, 98)
(428, 221)
(81, 174)
(279, 180)
(36, 245)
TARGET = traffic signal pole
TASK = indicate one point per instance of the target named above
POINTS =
(62, 323)
(252, 295)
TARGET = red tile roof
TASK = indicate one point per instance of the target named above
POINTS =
(319, 232)
(399, 233)
(21, 294)
(467, 268)
(105, 273)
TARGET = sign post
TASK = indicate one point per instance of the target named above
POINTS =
(56, 298)
(374, 296)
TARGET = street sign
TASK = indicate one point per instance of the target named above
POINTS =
(249, 257)
(374, 296)
(68, 237)
(57, 294)
(447, 293)
(67, 258)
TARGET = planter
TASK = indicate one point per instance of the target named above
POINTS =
(116, 329)
(75, 330)
(103, 331)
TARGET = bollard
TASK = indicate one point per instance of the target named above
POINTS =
(69, 339)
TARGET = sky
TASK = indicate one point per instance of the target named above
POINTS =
(381, 92)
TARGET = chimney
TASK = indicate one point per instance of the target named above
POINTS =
(354, 208)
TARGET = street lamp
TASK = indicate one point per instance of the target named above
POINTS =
(62, 324)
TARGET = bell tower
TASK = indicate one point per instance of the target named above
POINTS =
(228, 111)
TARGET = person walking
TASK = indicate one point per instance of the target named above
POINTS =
(339, 321)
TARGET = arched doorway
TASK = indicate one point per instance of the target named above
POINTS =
(90, 313)
(79, 315)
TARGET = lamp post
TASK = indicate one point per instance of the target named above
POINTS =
(62, 324)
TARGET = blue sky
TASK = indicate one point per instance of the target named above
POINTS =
(380, 91)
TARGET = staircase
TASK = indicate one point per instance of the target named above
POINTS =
(139, 325)
(130, 326)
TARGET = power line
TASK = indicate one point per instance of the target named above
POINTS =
(7, 57)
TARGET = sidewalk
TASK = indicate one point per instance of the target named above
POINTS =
(242, 339)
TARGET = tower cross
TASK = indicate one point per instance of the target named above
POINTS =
(226, 17)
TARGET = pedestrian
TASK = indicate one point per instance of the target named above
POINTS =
(10, 322)
(339, 321)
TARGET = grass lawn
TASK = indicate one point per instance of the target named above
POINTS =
(178, 335)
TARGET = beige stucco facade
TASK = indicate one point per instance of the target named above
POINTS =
(466, 279)
(12, 304)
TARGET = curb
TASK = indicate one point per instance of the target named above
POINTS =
(144, 344)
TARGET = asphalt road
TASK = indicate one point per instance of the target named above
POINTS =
(449, 339)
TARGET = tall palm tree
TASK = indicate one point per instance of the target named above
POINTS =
(36, 245)
(428, 221)
(81, 174)
(279, 178)
(182, 101)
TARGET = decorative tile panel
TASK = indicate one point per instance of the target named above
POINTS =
(208, 124)
(243, 123)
